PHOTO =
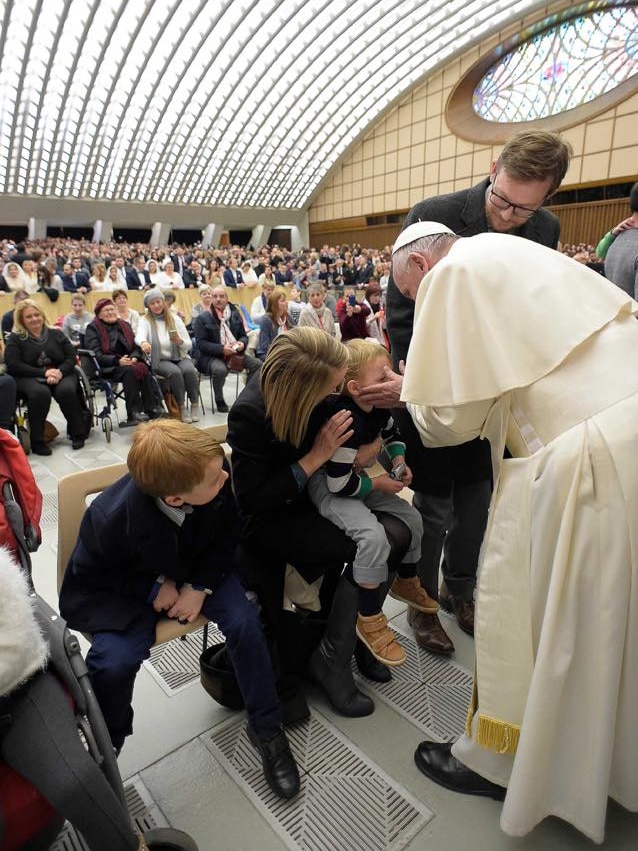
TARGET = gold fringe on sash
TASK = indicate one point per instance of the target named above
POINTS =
(497, 736)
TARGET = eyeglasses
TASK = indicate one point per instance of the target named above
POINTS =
(503, 204)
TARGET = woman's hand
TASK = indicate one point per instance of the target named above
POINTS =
(145, 347)
(331, 436)
(53, 376)
(126, 361)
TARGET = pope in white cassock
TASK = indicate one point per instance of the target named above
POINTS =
(532, 351)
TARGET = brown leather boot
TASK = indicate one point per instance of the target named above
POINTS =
(429, 633)
(463, 610)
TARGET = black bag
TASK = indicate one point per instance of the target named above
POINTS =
(218, 677)
(51, 293)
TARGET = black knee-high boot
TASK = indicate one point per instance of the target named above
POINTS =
(330, 662)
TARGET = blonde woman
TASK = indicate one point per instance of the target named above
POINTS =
(275, 322)
(204, 303)
(42, 361)
(98, 279)
(162, 335)
(282, 429)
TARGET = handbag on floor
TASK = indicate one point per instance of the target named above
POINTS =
(172, 407)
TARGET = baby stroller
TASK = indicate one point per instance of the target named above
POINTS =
(66, 755)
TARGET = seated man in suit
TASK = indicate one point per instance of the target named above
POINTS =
(232, 275)
(220, 334)
(193, 275)
(74, 281)
(137, 277)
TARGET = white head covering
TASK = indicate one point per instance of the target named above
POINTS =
(417, 231)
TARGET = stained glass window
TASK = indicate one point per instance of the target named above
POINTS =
(562, 68)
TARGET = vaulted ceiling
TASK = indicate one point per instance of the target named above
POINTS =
(225, 102)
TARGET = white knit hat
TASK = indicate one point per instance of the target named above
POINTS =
(417, 231)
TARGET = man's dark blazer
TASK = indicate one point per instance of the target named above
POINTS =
(464, 213)
(229, 279)
(133, 278)
(126, 542)
(207, 331)
(71, 286)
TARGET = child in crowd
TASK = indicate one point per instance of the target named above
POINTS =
(348, 497)
(162, 541)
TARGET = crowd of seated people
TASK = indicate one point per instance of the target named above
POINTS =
(346, 282)
(142, 266)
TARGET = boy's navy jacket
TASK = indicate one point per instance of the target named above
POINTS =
(126, 542)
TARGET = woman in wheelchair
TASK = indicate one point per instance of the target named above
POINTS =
(162, 335)
(120, 359)
(42, 361)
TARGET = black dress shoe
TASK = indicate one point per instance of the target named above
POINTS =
(436, 762)
(222, 407)
(429, 633)
(77, 443)
(369, 666)
(463, 610)
(280, 768)
(41, 449)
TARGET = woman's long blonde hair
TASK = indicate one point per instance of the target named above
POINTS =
(296, 376)
(168, 315)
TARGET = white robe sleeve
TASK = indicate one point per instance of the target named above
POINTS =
(450, 426)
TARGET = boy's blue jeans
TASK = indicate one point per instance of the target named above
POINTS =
(115, 658)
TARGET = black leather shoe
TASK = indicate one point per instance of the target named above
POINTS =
(436, 762)
(463, 610)
(41, 449)
(222, 407)
(280, 768)
(369, 666)
(77, 443)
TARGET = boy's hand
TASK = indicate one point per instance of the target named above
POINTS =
(188, 605)
(166, 596)
(406, 478)
(386, 485)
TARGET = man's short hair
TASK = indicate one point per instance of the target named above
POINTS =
(168, 457)
(536, 155)
(633, 198)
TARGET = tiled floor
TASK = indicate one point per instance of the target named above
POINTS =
(176, 753)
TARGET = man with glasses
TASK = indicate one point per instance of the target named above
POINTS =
(453, 484)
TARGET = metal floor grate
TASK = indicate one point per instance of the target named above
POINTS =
(175, 664)
(49, 515)
(143, 810)
(346, 803)
(430, 691)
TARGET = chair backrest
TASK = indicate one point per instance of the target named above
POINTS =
(76, 487)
